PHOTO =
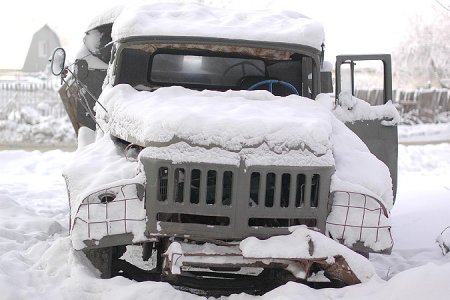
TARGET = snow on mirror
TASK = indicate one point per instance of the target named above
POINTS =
(57, 61)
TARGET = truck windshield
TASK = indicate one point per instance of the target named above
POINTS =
(203, 70)
(148, 69)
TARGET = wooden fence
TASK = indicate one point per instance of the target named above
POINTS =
(41, 95)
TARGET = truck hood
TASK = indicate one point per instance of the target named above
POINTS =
(231, 120)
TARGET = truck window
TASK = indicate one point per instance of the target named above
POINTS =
(212, 70)
(203, 70)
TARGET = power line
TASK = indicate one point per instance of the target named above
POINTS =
(447, 8)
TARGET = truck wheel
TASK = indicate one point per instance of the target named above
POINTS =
(105, 259)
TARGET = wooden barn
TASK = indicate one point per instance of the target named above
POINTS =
(41, 47)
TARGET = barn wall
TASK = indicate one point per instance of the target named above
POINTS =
(41, 47)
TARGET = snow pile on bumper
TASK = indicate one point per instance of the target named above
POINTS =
(302, 252)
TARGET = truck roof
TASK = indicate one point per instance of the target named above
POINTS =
(194, 20)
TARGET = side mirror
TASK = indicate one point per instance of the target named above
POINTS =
(57, 61)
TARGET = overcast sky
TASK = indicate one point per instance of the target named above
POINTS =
(351, 26)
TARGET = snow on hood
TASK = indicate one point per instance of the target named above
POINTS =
(231, 120)
(189, 19)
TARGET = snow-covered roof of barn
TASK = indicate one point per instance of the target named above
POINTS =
(194, 20)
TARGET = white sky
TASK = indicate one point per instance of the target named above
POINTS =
(351, 26)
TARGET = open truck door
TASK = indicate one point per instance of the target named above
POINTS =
(380, 136)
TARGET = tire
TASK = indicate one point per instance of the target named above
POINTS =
(104, 259)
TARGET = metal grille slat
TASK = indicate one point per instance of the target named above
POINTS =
(219, 188)
(277, 196)
(262, 189)
(315, 190)
(203, 186)
(307, 197)
(292, 190)
(187, 185)
(171, 186)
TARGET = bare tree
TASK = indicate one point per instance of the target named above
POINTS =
(423, 58)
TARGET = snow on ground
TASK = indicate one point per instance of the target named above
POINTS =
(424, 133)
(422, 209)
(37, 261)
(31, 112)
(28, 126)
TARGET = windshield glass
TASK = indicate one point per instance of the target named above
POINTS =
(145, 67)
(203, 70)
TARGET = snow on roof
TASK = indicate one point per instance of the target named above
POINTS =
(231, 120)
(106, 17)
(188, 19)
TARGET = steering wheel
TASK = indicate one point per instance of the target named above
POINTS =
(270, 82)
(242, 64)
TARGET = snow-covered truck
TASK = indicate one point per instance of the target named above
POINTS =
(217, 152)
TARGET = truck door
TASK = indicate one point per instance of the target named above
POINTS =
(381, 139)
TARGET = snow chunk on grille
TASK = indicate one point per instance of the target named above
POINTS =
(182, 152)
(261, 156)
(188, 19)
(231, 120)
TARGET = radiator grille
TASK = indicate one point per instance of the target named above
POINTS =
(291, 189)
(229, 202)
(195, 182)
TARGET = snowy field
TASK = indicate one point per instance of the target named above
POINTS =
(37, 261)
